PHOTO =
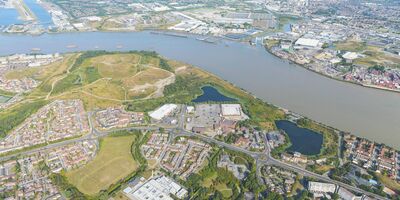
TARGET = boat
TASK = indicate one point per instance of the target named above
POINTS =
(71, 46)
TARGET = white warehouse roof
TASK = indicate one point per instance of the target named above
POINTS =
(350, 55)
(163, 111)
(307, 42)
(159, 188)
(231, 109)
(317, 187)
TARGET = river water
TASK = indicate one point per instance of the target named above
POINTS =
(365, 112)
(8, 16)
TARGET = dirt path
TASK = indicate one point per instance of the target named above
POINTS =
(160, 86)
(60, 78)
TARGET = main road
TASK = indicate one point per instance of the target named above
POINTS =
(261, 158)
(265, 158)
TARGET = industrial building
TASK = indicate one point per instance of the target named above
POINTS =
(306, 42)
(321, 188)
(160, 188)
(163, 111)
(233, 112)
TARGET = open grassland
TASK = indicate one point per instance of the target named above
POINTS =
(116, 66)
(350, 45)
(90, 101)
(388, 182)
(12, 117)
(120, 196)
(372, 55)
(51, 74)
(377, 56)
(106, 88)
(18, 74)
(208, 181)
(113, 77)
(113, 162)
(224, 189)
(147, 76)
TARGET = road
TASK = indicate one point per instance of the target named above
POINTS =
(266, 159)
(261, 158)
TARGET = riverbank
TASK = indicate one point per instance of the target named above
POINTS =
(333, 77)
(266, 76)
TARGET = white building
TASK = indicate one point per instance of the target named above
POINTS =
(157, 188)
(318, 187)
(163, 111)
(231, 109)
(306, 42)
(350, 56)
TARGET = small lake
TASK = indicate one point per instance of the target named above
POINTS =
(287, 27)
(212, 94)
(4, 99)
(303, 140)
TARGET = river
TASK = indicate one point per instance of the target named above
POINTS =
(365, 112)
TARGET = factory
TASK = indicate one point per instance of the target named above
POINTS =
(163, 111)
(160, 187)
(321, 188)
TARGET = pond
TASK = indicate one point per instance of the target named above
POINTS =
(212, 94)
(304, 141)
(4, 99)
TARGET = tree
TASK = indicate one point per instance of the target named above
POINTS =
(274, 196)
(217, 195)
(335, 196)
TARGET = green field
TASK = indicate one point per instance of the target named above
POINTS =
(350, 45)
(113, 163)
(11, 118)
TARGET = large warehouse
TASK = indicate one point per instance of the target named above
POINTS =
(163, 111)
(306, 42)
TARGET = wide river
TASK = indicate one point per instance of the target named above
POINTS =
(365, 112)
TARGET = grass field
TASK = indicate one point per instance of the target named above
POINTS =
(351, 45)
(90, 102)
(148, 76)
(390, 183)
(12, 117)
(106, 88)
(373, 55)
(377, 56)
(113, 162)
(119, 196)
(110, 79)
(116, 66)
(226, 192)
(18, 74)
(209, 180)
